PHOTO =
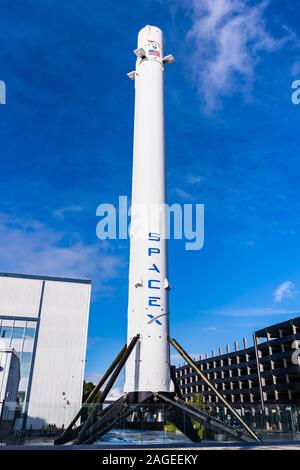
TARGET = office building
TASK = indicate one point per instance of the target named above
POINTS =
(266, 373)
(45, 320)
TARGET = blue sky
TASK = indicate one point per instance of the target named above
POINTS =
(232, 143)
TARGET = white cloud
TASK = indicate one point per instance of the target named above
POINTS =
(286, 290)
(228, 38)
(62, 211)
(93, 377)
(30, 247)
(194, 179)
(211, 328)
(251, 312)
(115, 393)
(183, 194)
(295, 70)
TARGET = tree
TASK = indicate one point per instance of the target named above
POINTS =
(88, 387)
(198, 401)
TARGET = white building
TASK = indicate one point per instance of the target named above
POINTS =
(45, 320)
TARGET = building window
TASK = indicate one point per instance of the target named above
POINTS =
(5, 332)
(26, 357)
(19, 335)
(29, 332)
(18, 332)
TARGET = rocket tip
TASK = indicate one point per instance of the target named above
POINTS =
(152, 32)
(151, 28)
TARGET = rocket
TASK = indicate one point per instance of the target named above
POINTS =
(148, 367)
(146, 353)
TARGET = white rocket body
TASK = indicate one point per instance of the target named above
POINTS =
(148, 367)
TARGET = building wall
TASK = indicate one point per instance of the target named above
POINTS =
(279, 375)
(58, 369)
(262, 373)
(20, 297)
(46, 320)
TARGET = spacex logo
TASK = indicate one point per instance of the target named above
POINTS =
(155, 319)
(154, 269)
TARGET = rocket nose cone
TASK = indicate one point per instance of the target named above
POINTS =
(152, 33)
(152, 29)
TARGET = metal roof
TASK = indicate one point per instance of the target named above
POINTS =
(46, 278)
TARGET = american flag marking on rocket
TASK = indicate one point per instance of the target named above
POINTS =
(155, 53)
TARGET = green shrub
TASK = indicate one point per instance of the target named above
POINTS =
(169, 427)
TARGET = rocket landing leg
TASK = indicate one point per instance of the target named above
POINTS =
(148, 408)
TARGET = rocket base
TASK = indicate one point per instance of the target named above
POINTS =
(152, 410)
(139, 397)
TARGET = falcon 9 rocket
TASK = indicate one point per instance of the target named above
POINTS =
(148, 367)
(146, 354)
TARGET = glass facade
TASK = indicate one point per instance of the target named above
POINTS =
(19, 335)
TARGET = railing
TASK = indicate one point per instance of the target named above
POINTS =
(151, 425)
